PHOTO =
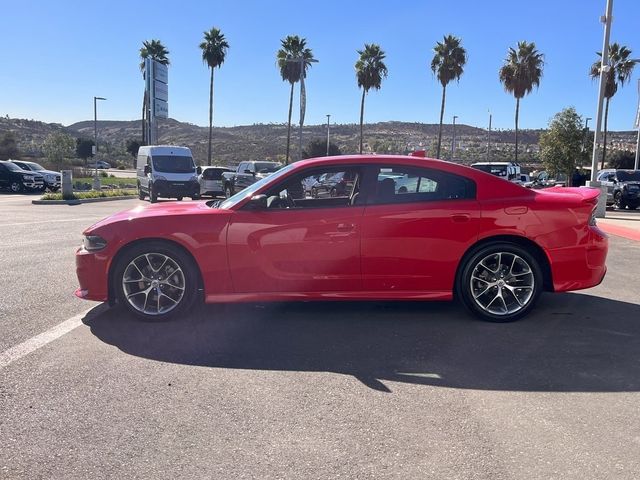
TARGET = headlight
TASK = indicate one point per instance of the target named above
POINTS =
(28, 178)
(50, 177)
(193, 179)
(159, 177)
(93, 243)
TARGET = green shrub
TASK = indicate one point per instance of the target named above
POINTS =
(90, 194)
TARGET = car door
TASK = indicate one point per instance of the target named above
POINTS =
(297, 244)
(413, 236)
(607, 179)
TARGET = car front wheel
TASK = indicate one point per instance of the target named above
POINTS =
(153, 196)
(618, 201)
(227, 191)
(156, 281)
(500, 282)
(16, 187)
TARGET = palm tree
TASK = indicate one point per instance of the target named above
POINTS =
(292, 47)
(155, 50)
(370, 71)
(620, 70)
(214, 50)
(448, 64)
(522, 70)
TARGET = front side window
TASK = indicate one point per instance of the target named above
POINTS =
(411, 184)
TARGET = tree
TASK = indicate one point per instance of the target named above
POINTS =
(84, 148)
(620, 70)
(58, 147)
(292, 47)
(8, 146)
(132, 147)
(622, 159)
(370, 71)
(561, 146)
(521, 71)
(156, 51)
(318, 148)
(214, 50)
(447, 64)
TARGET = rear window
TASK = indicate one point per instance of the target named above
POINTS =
(628, 176)
(213, 173)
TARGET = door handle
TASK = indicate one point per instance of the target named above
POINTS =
(460, 217)
(345, 227)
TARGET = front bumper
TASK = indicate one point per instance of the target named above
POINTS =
(92, 269)
(36, 184)
(166, 188)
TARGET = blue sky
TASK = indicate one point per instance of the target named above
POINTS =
(57, 55)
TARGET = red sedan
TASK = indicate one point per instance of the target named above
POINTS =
(405, 228)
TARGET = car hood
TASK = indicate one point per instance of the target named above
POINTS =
(160, 210)
(630, 182)
(47, 172)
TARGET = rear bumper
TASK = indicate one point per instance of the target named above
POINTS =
(581, 266)
(92, 270)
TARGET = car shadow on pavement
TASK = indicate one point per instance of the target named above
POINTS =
(570, 343)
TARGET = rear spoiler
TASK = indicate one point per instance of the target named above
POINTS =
(587, 194)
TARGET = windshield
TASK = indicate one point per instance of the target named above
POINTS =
(267, 167)
(497, 170)
(628, 176)
(248, 192)
(173, 164)
(35, 167)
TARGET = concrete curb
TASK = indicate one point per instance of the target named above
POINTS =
(82, 200)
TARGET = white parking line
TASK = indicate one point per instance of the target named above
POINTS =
(51, 221)
(34, 343)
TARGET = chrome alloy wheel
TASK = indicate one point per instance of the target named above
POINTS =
(502, 283)
(153, 283)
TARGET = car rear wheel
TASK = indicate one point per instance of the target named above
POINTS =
(16, 187)
(618, 201)
(501, 282)
(156, 281)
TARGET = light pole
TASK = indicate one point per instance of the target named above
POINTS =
(96, 179)
(585, 135)
(635, 164)
(604, 69)
(328, 117)
(489, 138)
(453, 138)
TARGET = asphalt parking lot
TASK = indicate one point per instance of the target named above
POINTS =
(351, 390)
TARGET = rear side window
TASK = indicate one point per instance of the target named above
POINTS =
(412, 184)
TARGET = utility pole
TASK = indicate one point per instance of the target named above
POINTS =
(328, 117)
(96, 179)
(604, 69)
(453, 138)
(635, 164)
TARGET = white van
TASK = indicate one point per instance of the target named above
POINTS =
(166, 171)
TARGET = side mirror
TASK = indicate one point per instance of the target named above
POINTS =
(199, 170)
(258, 202)
(248, 171)
(147, 169)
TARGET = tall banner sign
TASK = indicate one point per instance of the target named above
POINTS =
(637, 124)
(156, 76)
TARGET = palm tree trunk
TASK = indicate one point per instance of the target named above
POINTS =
(289, 126)
(144, 109)
(364, 92)
(517, 114)
(444, 94)
(210, 116)
(604, 143)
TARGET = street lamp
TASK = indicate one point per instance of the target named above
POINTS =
(328, 117)
(96, 179)
(453, 138)
(586, 133)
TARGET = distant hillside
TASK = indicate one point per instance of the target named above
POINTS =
(261, 141)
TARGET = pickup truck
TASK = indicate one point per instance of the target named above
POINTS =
(247, 174)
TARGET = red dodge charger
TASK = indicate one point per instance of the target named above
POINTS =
(388, 228)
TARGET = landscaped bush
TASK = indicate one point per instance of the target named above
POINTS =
(90, 194)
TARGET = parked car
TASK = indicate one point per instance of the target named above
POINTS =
(493, 244)
(16, 179)
(623, 187)
(52, 180)
(332, 185)
(166, 171)
(507, 170)
(100, 165)
(211, 182)
(246, 174)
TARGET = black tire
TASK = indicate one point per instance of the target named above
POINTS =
(314, 193)
(228, 192)
(16, 187)
(195, 196)
(141, 194)
(179, 199)
(618, 201)
(156, 250)
(333, 193)
(153, 196)
(479, 290)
